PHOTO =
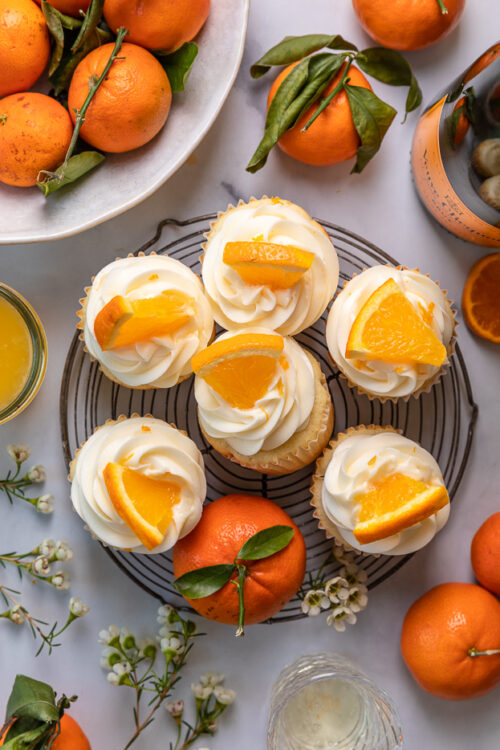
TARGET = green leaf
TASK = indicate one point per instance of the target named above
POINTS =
(76, 167)
(390, 67)
(29, 739)
(92, 18)
(178, 65)
(266, 543)
(293, 48)
(32, 699)
(204, 581)
(372, 117)
(52, 17)
(60, 78)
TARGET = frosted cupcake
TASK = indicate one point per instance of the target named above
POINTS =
(139, 484)
(390, 331)
(262, 401)
(143, 319)
(268, 263)
(378, 492)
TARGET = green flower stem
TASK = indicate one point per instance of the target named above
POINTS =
(442, 7)
(242, 574)
(490, 652)
(326, 101)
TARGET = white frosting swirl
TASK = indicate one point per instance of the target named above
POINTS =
(377, 377)
(237, 304)
(362, 459)
(152, 447)
(283, 411)
(160, 362)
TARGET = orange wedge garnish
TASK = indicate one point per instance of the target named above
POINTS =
(268, 264)
(481, 298)
(123, 322)
(394, 504)
(240, 368)
(389, 328)
(144, 503)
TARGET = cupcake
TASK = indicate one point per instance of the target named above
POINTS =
(390, 332)
(378, 492)
(139, 484)
(143, 319)
(268, 263)
(262, 401)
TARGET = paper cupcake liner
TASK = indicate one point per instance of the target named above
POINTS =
(325, 524)
(427, 386)
(302, 448)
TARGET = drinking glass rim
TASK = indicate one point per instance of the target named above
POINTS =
(39, 352)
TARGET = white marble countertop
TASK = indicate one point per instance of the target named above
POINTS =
(381, 205)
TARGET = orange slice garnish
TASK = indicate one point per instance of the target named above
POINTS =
(481, 298)
(268, 264)
(144, 503)
(394, 504)
(388, 328)
(123, 322)
(240, 368)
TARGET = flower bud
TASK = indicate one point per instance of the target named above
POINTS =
(60, 580)
(47, 547)
(37, 474)
(63, 551)
(201, 692)
(223, 695)
(44, 504)
(41, 565)
(17, 614)
(113, 679)
(77, 607)
(175, 709)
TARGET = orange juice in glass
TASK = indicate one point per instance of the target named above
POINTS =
(23, 353)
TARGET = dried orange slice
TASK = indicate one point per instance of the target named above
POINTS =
(481, 298)
(123, 322)
(388, 328)
(144, 503)
(240, 368)
(267, 263)
(394, 504)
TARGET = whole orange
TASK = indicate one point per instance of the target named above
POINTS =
(485, 554)
(24, 45)
(132, 104)
(158, 24)
(69, 7)
(407, 24)
(35, 132)
(332, 137)
(438, 633)
(225, 526)
(71, 736)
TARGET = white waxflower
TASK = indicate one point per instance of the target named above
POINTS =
(113, 679)
(211, 678)
(164, 613)
(339, 616)
(147, 647)
(63, 551)
(172, 644)
(37, 474)
(77, 607)
(357, 598)
(127, 639)
(167, 630)
(41, 565)
(19, 452)
(201, 692)
(109, 657)
(122, 668)
(341, 555)
(314, 601)
(44, 504)
(60, 580)
(335, 588)
(17, 614)
(105, 636)
(175, 709)
(223, 695)
(353, 574)
(47, 547)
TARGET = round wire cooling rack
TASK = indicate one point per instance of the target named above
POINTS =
(442, 421)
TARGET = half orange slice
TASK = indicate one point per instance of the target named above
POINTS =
(267, 263)
(388, 328)
(122, 322)
(144, 503)
(394, 504)
(240, 368)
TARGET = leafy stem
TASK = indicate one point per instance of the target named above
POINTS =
(326, 101)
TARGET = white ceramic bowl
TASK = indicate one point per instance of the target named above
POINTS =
(124, 180)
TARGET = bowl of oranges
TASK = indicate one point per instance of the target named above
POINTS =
(101, 101)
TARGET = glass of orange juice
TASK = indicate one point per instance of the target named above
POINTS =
(23, 353)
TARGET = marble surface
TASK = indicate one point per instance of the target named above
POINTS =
(380, 205)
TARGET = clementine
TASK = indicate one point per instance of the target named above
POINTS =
(158, 24)
(444, 636)
(485, 554)
(480, 300)
(408, 24)
(131, 105)
(69, 7)
(71, 736)
(225, 526)
(24, 45)
(332, 137)
(35, 132)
